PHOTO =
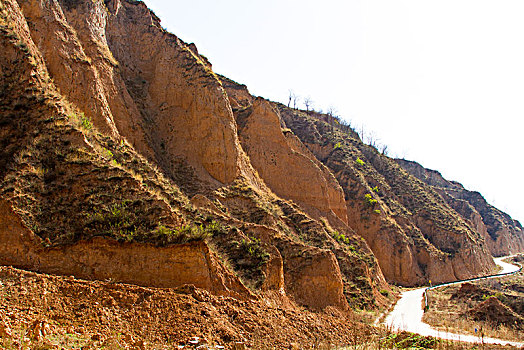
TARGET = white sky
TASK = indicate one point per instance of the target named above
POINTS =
(439, 82)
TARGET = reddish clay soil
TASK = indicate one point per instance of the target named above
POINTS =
(57, 312)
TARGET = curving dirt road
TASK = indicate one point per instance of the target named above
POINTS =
(408, 312)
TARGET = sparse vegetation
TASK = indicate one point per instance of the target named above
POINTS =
(253, 248)
(369, 200)
(341, 238)
(85, 122)
(464, 308)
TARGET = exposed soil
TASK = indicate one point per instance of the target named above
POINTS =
(491, 307)
(37, 309)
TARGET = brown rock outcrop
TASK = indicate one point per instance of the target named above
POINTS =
(311, 276)
(89, 112)
(101, 258)
(414, 234)
(128, 76)
(278, 157)
(196, 118)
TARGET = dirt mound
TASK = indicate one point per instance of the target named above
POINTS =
(493, 311)
(469, 291)
(39, 309)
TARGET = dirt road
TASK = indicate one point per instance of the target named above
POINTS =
(408, 312)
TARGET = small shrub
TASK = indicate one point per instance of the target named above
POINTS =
(369, 200)
(254, 249)
(215, 228)
(85, 122)
(337, 145)
(341, 238)
(359, 161)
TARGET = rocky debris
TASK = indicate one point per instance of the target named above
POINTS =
(239, 346)
(494, 311)
(71, 314)
(200, 343)
(5, 330)
(39, 330)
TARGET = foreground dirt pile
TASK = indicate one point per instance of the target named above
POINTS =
(494, 311)
(71, 313)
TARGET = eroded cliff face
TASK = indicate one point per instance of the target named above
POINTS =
(503, 235)
(279, 156)
(120, 141)
(129, 76)
(413, 232)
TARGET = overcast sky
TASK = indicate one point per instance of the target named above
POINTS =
(439, 82)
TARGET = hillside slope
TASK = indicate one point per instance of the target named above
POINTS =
(503, 235)
(125, 157)
(412, 231)
(120, 144)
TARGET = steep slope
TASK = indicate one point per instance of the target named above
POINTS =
(503, 235)
(115, 62)
(120, 143)
(412, 231)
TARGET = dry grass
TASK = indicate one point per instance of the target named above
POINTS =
(449, 315)
(385, 338)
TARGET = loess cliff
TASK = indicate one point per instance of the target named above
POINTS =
(503, 235)
(124, 157)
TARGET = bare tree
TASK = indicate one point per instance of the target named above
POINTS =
(361, 132)
(385, 150)
(332, 115)
(332, 111)
(308, 102)
(372, 140)
(291, 95)
(296, 98)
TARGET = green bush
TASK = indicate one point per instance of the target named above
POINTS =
(254, 249)
(369, 200)
(340, 237)
(85, 122)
